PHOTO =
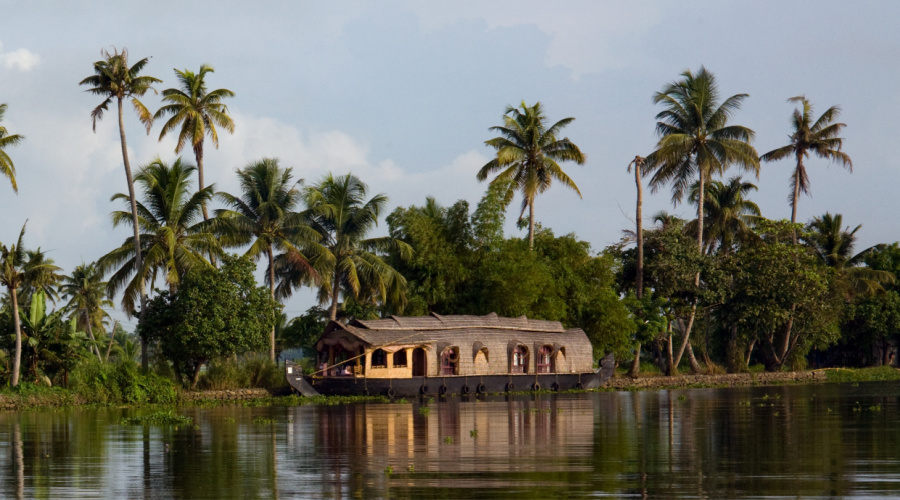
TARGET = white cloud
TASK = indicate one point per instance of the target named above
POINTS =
(21, 59)
(313, 154)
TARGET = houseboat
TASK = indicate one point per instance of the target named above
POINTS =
(445, 355)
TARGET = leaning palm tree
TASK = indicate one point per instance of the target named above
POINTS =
(820, 138)
(527, 156)
(174, 238)
(17, 270)
(264, 217)
(697, 141)
(8, 140)
(114, 79)
(339, 209)
(730, 216)
(834, 246)
(196, 113)
(87, 294)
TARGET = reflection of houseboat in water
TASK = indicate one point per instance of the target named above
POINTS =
(435, 354)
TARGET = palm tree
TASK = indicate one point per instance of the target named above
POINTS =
(6, 140)
(729, 214)
(834, 246)
(114, 79)
(173, 238)
(527, 156)
(820, 137)
(638, 163)
(87, 294)
(264, 217)
(696, 140)
(340, 211)
(198, 112)
(18, 270)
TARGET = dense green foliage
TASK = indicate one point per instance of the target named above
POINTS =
(214, 313)
(464, 266)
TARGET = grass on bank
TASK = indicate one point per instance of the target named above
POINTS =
(873, 374)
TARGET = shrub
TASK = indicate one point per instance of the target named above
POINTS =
(120, 383)
(255, 371)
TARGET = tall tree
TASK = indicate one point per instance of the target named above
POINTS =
(17, 270)
(638, 163)
(265, 217)
(697, 141)
(8, 140)
(114, 79)
(527, 156)
(730, 215)
(197, 112)
(820, 138)
(339, 208)
(173, 238)
(87, 294)
(833, 244)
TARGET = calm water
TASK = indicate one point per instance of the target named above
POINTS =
(823, 441)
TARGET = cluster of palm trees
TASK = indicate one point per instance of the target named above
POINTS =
(316, 235)
(312, 235)
(62, 337)
(697, 143)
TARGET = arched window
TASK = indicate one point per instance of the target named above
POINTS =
(544, 360)
(450, 361)
(379, 358)
(400, 358)
(519, 360)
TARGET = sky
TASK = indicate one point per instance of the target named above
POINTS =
(402, 95)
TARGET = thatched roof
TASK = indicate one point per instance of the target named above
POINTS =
(453, 330)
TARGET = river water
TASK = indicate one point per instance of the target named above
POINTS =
(814, 441)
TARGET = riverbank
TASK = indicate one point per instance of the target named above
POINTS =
(35, 397)
(723, 380)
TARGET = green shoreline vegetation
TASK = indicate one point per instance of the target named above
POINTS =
(728, 292)
(161, 398)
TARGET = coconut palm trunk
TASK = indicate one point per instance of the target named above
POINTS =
(17, 324)
(335, 296)
(797, 186)
(145, 356)
(90, 332)
(639, 271)
(272, 295)
(198, 155)
(531, 224)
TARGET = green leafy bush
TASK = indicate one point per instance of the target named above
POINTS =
(121, 382)
(257, 371)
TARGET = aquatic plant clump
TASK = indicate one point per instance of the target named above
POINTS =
(166, 417)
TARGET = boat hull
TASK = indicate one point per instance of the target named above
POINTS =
(448, 385)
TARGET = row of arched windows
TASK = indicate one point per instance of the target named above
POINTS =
(520, 360)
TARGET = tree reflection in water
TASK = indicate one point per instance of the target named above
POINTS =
(823, 440)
